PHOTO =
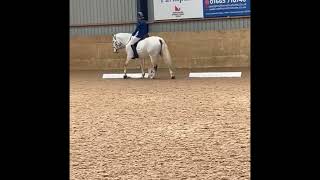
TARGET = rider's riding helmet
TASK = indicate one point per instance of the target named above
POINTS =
(140, 15)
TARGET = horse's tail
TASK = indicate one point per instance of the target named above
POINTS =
(160, 47)
(164, 53)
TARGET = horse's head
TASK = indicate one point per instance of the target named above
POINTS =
(116, 44)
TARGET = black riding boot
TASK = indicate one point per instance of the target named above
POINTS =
(134, 52)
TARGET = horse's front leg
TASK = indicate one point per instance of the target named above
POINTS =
(125, 68)
(142, 67)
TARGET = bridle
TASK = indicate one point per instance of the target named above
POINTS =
(117, 44)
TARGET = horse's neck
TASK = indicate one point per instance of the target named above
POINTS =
(124, 37)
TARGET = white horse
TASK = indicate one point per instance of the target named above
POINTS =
(153, 46)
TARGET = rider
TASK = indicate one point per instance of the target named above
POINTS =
(140, 32)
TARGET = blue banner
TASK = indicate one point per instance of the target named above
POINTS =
(225, 8)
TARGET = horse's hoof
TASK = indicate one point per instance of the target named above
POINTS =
(173, 77)
(125, 76)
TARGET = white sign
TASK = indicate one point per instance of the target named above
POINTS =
(177, 9)
(120, 76)
(215, 74)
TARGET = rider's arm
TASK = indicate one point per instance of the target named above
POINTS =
(137, 29)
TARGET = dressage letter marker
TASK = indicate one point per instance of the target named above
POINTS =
(215, 74)
(130, 75)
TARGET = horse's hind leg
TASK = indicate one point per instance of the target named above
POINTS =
(154, 63)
